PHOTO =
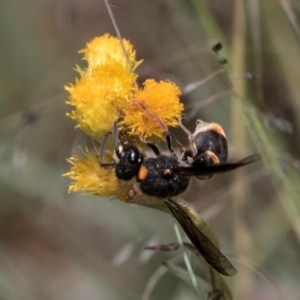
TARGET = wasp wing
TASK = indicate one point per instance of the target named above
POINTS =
(206, 248)
(216, 168)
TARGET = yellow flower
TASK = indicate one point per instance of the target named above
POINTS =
(161, 99)
(104, 86)
(106, 91)
(97, 97)
(89, 177)
(106, 47)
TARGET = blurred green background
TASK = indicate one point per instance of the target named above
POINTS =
(55, 245)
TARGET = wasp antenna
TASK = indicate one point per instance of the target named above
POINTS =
(116, 134)
(101, 151)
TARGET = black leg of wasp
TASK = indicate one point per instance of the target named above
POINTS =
(150, 145)
(190, 138)
(101, 152)
(186, 154)
(165, 128)
(169, 143)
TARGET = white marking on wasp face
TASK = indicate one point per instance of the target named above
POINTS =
(115, 157)
(120, 150)
(117, 153)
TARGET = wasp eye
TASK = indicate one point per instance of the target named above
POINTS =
(134, 155)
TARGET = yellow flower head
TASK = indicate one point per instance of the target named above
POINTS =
(161, 99)
(89, 177)
(106, 47)
(103, 86)
(96, 97)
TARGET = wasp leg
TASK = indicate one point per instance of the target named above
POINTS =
(165, 128)
(190, 138)
(151, 145)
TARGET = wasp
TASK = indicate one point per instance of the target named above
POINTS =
(166, 176)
